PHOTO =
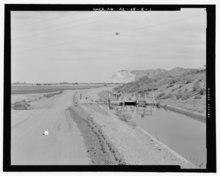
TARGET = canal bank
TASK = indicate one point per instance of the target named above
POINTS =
(194, 115)
(181, 133)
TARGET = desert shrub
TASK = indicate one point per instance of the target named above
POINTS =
(187, 81)
(125, 117)
(186, 96)
(167, 96)
(170, 85)
(186, 90)
(202, 91)
(197, 97)
(172, 90)
(160, 95)
(172, 81)
(196, 86)
(178, 96)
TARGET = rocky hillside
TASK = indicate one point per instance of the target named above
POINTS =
(180, 87)
(157, 79)
(149, 73)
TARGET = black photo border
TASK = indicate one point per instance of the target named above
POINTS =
(210, 93)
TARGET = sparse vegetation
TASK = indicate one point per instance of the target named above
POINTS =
(197, 97)
(160, 95)
(202, 91)
(170, 85)
(126, 118)
(167, 96)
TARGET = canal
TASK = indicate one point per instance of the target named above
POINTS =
(183, 134)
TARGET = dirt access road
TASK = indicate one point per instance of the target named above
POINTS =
(63, 146)
(85, 134)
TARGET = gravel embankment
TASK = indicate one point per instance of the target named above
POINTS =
(100, 150)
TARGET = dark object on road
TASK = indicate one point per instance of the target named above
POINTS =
(21, 105)
(116, 33)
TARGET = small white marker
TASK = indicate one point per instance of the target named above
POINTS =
(46, 132)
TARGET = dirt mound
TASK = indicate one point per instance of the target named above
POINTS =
(53, 94)
(21, 105)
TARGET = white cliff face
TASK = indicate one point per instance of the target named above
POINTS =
(123, 76)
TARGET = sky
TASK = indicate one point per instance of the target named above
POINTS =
(84, 46)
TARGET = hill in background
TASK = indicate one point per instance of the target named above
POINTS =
(181, 87)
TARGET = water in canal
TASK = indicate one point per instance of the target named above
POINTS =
(183, 134)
